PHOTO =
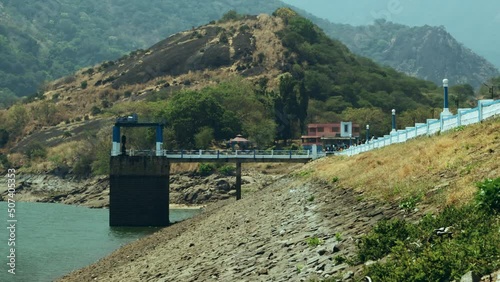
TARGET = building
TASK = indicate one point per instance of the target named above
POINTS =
(331, 136)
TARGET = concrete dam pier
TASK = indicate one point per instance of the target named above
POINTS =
(139, 194)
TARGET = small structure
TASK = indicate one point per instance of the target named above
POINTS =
(242, 143)
(330, 136)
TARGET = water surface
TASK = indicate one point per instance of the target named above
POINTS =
(54, 239)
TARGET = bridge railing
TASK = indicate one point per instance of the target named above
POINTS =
(226, 154)
(485, 109)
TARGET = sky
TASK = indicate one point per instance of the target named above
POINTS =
(476, 24)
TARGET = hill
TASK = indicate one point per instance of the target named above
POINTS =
(471, 23)
(426, 52)
(50, 39)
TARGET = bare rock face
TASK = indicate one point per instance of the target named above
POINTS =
(208, 47)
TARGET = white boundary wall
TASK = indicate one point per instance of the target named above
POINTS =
(484, 110)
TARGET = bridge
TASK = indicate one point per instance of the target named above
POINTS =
(235, 156)
(139, 179)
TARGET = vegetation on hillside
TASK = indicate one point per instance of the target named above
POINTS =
(418, 253)
(425, 51)
(49, 39)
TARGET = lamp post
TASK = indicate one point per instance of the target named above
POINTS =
(367, 133)
(393, 121)
(446, 110)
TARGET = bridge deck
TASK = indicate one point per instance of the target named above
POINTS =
(242, 156)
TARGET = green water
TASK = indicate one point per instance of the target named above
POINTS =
(53, 239)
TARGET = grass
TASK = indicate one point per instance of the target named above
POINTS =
(314, 241)
(461, 158)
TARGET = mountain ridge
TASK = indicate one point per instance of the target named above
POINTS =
(57, 38)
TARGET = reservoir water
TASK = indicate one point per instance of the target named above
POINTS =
(54, 239)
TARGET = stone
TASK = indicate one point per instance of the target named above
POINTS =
(263, 271)
(322, 251)
(348, 275)
(470, 277)
(335, 248)
(223, 185)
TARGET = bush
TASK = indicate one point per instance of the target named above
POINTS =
(488, 195)
(231, 15)
(205, 169)
(84, 84)
(384, 236)
(95, 110)
(4, 137)
(314, 241)
(82, 166)
(417, 253)
(36, 150)
(227, 170)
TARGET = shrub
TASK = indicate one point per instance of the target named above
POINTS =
(417, 253)
(244, 28)
(95, 110)
(384, 236)
(314, 241)
(339, 259)
(4, 137)
(82, 166)
(227, 170)
(205, 169)
(230, 15)
(84, 84)
(488, 195)
(36, 150)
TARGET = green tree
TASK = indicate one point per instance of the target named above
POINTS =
(290, 107)
(17, 118)
(204, 137)
(190, 111)
(379, 121)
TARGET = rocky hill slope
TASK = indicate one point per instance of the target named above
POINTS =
(427, 52)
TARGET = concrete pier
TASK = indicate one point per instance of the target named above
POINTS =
(139, 191)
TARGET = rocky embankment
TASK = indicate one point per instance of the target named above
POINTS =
(292, 230)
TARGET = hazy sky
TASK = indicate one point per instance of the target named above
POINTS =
(474, 23)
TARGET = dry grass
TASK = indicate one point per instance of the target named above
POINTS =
(442, 170)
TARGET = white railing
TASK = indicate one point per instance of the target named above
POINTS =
(485, 109)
